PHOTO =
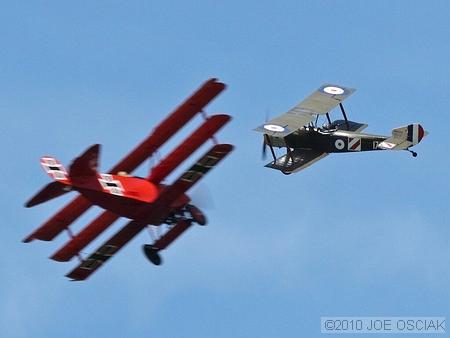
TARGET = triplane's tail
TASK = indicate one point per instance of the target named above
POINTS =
(59, 187)
(404, 137)
(84, 165)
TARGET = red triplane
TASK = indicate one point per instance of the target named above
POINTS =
(145, 201)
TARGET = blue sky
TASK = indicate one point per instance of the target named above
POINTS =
(355, 235)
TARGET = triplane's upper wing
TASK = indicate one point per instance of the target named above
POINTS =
(183, 114)
(216, 154)
(324, 99)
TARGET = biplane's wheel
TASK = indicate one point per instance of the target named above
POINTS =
(196, 215)
(414, 154)
(152, 254)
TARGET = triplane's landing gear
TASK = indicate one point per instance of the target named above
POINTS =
(196, 214)
(152, 254)
(178, 223)
(151, 251)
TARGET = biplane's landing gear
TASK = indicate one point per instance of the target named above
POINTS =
(413, 153)
(152, 254)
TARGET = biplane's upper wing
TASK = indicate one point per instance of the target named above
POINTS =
(320, 102)
(299, 159)
(164, 168)
(163, 204)
(168, 127)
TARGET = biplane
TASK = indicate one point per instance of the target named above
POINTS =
(146, 202)
(306, 142)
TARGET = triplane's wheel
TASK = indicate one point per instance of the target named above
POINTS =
(152, 254)
(196, 215)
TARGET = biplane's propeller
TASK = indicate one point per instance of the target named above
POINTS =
(264, 148)
(265, 139)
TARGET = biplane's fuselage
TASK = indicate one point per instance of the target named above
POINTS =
(297, 131)
(327, 141)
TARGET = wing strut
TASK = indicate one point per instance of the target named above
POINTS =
(344, 114)
(269, 143)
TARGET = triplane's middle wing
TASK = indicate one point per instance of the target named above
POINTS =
(324, 99)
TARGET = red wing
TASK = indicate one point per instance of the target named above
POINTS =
(169, 196)
(60, 220)
(185, 112)
(106, 251)
(85, 236)
(189, 145)
(216, 154)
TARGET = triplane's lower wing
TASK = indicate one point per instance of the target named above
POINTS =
(324, 99)
(297, 160)
(161, 206)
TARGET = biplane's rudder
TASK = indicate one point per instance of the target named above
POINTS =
(404, 137)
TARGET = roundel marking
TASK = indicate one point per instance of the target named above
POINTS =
(333, 90)
(273, 127)
(339, 144)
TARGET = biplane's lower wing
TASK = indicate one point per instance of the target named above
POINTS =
(299, 159)
(168, 127)
(169, 196)
(320, 102)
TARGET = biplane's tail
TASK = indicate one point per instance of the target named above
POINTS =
(404, 137)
